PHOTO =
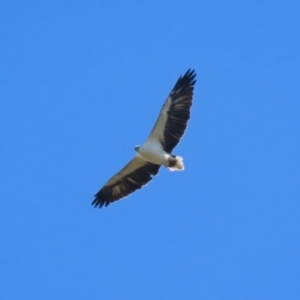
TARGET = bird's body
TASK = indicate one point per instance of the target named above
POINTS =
(151, 152)
(157, 149)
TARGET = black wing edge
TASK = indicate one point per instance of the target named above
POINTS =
(186, 81)
(180, 111)
(129, 184)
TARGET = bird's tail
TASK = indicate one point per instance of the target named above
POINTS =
(175, 163)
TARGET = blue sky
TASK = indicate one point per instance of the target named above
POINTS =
(82, 83)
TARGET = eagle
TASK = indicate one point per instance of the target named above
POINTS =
(157, 149)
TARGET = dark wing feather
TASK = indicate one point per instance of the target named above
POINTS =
(174, 115)
(133, 176)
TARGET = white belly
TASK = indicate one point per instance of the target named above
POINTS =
(153, 154)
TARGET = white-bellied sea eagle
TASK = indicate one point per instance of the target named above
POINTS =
(157, 149)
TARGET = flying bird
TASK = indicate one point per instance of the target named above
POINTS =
(157, 149)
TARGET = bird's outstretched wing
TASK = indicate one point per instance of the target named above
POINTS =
(133, 176)
(175, 113)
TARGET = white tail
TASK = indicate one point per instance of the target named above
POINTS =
(178, 164)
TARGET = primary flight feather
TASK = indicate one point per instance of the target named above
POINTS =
(157, 149)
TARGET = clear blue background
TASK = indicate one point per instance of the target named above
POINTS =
(82, 83)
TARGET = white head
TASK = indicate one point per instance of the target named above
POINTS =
(136, 148)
